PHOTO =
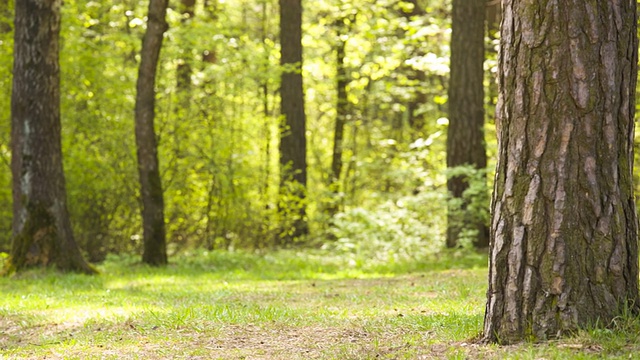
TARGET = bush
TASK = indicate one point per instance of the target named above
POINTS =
(408, 229)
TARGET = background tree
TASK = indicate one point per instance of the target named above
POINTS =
(564, 228)
(42, 233)
(293, 143)
(5, 16)
(155, 250)
(184, 68)
(465, 135)
(342, 110)
(220, 169)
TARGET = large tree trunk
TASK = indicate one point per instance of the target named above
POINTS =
(564, 229)
(42, 232)
(293, 143)
(465, 136)
(155, 252)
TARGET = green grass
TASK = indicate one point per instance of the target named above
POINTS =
(285, 305)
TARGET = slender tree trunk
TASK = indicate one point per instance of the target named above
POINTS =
(42, 233)
(342, 112)
(266, 111)
(564, 244)
(465, 139)
(155, 252)
(293, 143)
(416, 120)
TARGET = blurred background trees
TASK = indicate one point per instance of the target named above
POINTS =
(376, 78)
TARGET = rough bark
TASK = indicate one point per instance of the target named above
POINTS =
(293, 143)
(155, 252)
(564, 229)
(465, 138)
(42, 233)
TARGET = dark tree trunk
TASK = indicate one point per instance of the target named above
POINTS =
(342, 112)
(564, 243)
(155, 252)
(42, 232)
(293, 143)
(465, 138)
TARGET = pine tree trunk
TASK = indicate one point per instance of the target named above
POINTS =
(42, 233)
(564, 244)
(155, 252)
(465, 137)
(293, 143)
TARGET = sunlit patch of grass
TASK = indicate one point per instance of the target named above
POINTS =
(286, 305)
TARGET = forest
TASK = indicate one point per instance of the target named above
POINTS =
(230, 169)
(218, 122)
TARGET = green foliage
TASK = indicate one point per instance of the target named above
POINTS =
(473, 207)
(97, 120)
(409, 229)
(6, 63)
(217, 133)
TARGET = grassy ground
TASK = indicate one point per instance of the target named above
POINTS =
(279, 306)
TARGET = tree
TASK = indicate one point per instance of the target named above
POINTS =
(465, 136)
(293, 143)
(155, 249)
(416, 76)
(42, 233)
(342, 111)
(564, 237)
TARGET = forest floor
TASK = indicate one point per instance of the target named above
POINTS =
(285, 305)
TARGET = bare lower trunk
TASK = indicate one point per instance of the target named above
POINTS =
(342, 106)
(465, 136)
(42, 232)
(155, 252)
(564, 229)
(293, 143)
